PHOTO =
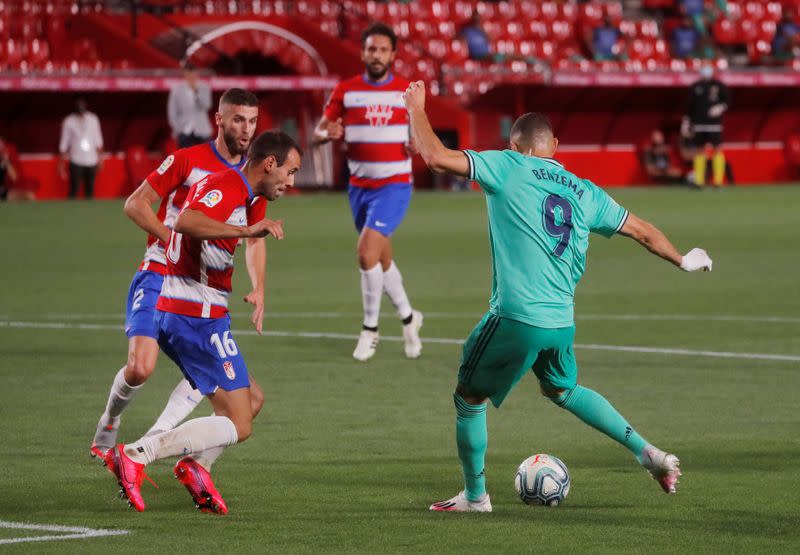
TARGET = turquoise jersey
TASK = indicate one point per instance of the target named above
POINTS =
(540, 216)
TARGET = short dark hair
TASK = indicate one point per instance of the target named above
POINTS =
(238, 97)
(379, 28)
(272, 143)
(530, 128)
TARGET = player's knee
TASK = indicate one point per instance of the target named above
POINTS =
(367, 259)
(138, 370)
(469, 397)
(555, 394)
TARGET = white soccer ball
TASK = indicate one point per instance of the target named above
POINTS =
(542, 480)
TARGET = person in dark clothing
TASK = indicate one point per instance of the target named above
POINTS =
(708, 101)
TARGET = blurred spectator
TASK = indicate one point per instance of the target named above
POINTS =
(606, 41)
(787, 37)
(685, 40)
(708, 101)
(82, 146)
(701, 16)
(657, 160)
(8, 174)
(476, 38)
(187, 109)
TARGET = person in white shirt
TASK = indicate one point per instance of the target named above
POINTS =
(81, 146)
(187, 109)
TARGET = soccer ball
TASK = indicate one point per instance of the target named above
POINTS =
(542, 480)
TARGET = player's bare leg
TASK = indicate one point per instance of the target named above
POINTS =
(142, 356)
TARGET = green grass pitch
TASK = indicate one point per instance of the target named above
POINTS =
(346, 457)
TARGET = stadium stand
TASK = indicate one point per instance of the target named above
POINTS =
(541, 60)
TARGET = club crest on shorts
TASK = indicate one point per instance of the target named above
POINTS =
(212, 198)
(165, 164)
(229, 371)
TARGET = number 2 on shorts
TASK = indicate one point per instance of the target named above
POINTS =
(226, 346)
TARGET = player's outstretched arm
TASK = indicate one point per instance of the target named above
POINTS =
(650, 237)
(139, 208)
(199, 226)
(439, 158)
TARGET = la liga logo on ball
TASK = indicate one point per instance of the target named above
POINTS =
(212, 198)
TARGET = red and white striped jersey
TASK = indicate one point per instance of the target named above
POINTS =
(375, 123)
(198, 278)
(171, 180)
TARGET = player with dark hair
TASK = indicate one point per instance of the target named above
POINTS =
(709, 99)
(540, 217)
(367, 111)
(192, 319)
(169, 184)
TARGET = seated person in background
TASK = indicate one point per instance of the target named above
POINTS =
(8, 174)
(13, 186)
(605, 43)
(787, 37)
(476, 38)
(658, 162)
(685, 40)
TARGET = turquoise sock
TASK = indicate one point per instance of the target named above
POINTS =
(472, 439)
(597, 412)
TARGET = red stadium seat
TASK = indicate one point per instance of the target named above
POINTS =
(758, 51)
(528, 10)
(568, 11)
(613, 10)
(438, 48)
(37, 53)
(549, 11)
(724, 32)
(734, 10)
(647, 28)
(447, 29)
(774, 11)
(746, 31)
(561, 30)
(628, 28)
(538, 30)
(766, 30)
(514, 30)
(458, 51)
(591, 13)
(754, 11)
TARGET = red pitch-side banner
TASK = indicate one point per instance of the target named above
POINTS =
(155, 84)
(566, 78)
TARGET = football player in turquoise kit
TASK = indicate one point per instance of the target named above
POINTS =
(540, 217)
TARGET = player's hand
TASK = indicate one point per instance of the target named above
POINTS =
(696, 259)
(335, 129)
(256, 298)
(414, 97)
(266, 227)
(717, 110)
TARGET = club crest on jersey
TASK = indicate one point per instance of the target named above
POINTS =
(212, 198)
(379, 115)
(229, 371)
(165, 164)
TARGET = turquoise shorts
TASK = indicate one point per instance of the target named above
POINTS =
(499, 351)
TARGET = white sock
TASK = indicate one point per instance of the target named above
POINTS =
(183, 399)
(207, 458)
(371, 291)
(190, 437)
(393, 285)
(121, 394)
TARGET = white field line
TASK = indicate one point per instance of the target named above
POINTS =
(476, 316)
(438, 340)
(67, 532)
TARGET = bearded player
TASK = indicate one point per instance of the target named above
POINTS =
(367, 111)
(194, 328)
(236, 121)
